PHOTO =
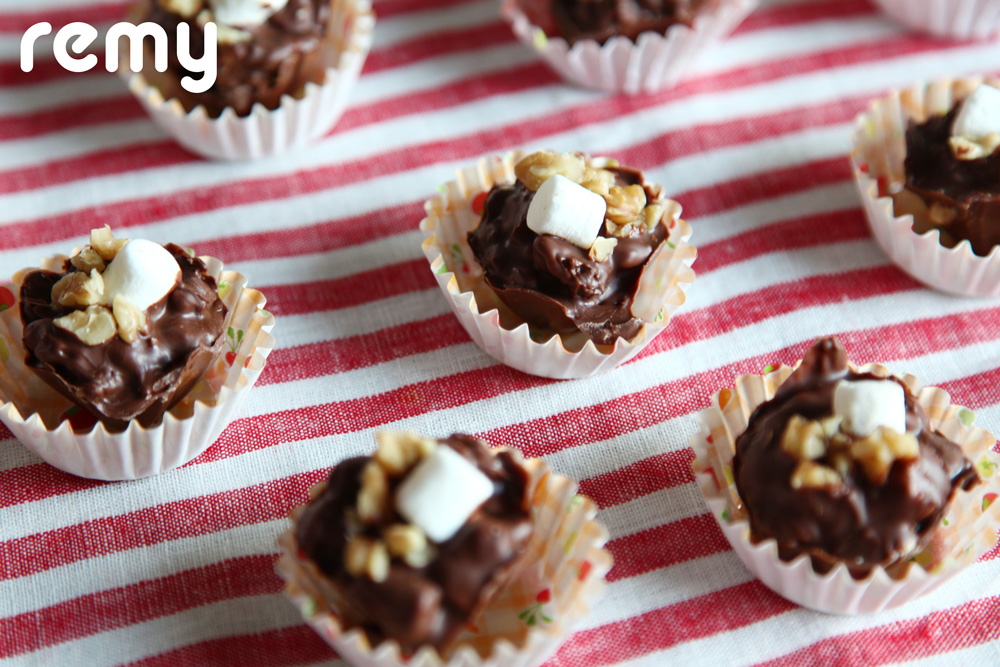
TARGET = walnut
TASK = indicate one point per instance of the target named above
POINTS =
(92, 326)
(625, 203)
(78, 289)
(652, 215)
(877, 452)
(810, 474)
(183, 8)
(130, 319)
(373, 498)
(106, 245)
(602, 248)
(404, 539)
(365, 556)
(398, 452)
(87, 260)
(803, 439)
(941, 215)
(597, 180)
(534, 169)
(619, 231)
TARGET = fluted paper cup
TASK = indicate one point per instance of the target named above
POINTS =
(560, 580)
(967, 530)
(653, 62)
(877, 162)
(957, 19)
(298, 122)
(65, 436)
(496, 329)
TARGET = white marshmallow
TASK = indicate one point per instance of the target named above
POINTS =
(565, 209)
(441, 493)
(979, 116)
(242, 13)
(142, 272)
(867, 404)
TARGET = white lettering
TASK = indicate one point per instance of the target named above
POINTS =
(136, 34)
(28, 44)
(207, 65)
(82, 36)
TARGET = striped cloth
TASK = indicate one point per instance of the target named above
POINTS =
(179, 569)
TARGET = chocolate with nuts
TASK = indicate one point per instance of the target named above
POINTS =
(393, 580)
(118, 361)
(602, 19)
(256, 63)
(819, 490)
(960, 197)
(554, 284)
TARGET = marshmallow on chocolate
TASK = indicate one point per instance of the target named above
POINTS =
(142, 273)
(565, 209)
(976, 131)
(865, 405)
(442, 492)
(244, 13)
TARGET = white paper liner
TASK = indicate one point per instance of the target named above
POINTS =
(561, 579)
(958, 19)
(499, 332)
(651, 63)
(185, 431)
(967, 531)
(298, 122)
(879, 151)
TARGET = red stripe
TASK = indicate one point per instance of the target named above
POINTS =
(94, 14)
(296, 645)
(971, 624)
(128, 213)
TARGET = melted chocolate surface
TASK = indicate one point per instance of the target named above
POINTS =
(861, 524)
(602, 19)
(552, 283)
(432, 604)
(969, 187)
(115, 380)
(280, 57)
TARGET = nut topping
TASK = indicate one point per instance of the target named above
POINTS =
(398, 452)
(87, 260)
(106, 245)
(625, 203)
(130, 319)
(78, 289)
(365, 556)
(803, 439)
(534, 169)
(373, 498)
(877, 452)
(92, 326)
(814, 475)
(602, 249)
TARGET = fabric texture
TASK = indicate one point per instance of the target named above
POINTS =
(179, 569)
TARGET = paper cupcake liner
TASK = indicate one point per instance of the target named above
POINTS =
(562, 577)
(498, 331)
(651, 63)
(877, 162)
(43, 420)
(958, 19)
(967, 530)
(298, 122)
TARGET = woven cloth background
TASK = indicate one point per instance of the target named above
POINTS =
(179, 569)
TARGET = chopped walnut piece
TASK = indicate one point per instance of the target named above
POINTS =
(602, 248)
(365, 556)
(78, 289)
(534, 169)
(652, 215)
(404, 538)
(130, 319)
(803, 439)
(625, 203)
(877, 452)
(92, 326)
(814, 475)
(87, 260)
(398, 452)
(941, 215)
(373, 498)
(597, 180)
(183, 8)
(106, 245)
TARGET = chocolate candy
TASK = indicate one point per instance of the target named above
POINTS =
(427, 595)
(962, 196)
(602, 19)
(120, 381)
(278, 57)
(819, 491)
(552, 283)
